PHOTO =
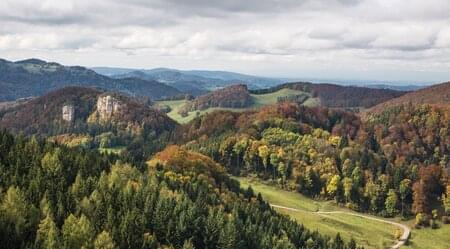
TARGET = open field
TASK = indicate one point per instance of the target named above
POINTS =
(175, 106)
(259, 100)
(370, 233)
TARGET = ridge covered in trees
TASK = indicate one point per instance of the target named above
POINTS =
(33, 77)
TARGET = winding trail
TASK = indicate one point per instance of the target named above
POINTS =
(401, 241)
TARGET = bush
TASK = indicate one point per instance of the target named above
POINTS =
(445, 219)
(421, 219)
(433, 224)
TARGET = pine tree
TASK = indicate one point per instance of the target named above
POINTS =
(77, 232)
(104, 241)
(47, 236)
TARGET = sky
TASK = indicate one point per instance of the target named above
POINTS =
(393, 40)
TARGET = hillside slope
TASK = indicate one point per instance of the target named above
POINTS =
(438, 95)
(35, 77)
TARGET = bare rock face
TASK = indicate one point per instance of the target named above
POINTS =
(107, 106)
(68, 113)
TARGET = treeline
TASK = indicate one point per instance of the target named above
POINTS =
(395, 163)
(58, 197)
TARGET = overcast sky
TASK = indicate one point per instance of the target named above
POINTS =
(347, 39)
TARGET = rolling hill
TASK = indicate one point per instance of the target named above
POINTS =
(35, 77)
(438, 95)
(331, 95)
(308, 94)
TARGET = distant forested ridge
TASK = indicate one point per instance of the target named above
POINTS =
(33, 77)
(58, 197)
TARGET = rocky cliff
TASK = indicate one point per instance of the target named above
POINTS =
(108, 106)
(68, 113)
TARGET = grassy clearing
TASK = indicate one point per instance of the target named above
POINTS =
(259, 100)
(175, 106)
(369, 233)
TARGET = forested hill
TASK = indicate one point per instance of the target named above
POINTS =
(56, 197)
(34, 77)
(236, 96)
(79, 116)
(331, 95)
(45, 115)
(438, 95)
(395, 163)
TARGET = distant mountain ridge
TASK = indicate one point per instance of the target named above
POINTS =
(192, 80)
(34, 77)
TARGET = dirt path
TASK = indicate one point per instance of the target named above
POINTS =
(401, 241)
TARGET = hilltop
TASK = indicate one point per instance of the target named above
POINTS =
(236, 96)
(33, 77)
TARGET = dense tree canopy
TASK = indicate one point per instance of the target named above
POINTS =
(58, 197)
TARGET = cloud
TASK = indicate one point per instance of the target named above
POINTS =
(295, 34)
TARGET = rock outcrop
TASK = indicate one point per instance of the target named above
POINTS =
(108, 106)
(68, 113)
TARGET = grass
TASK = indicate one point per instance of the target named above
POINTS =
(369, 233)
(259, 100)
(175, 106)
(430, 238)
